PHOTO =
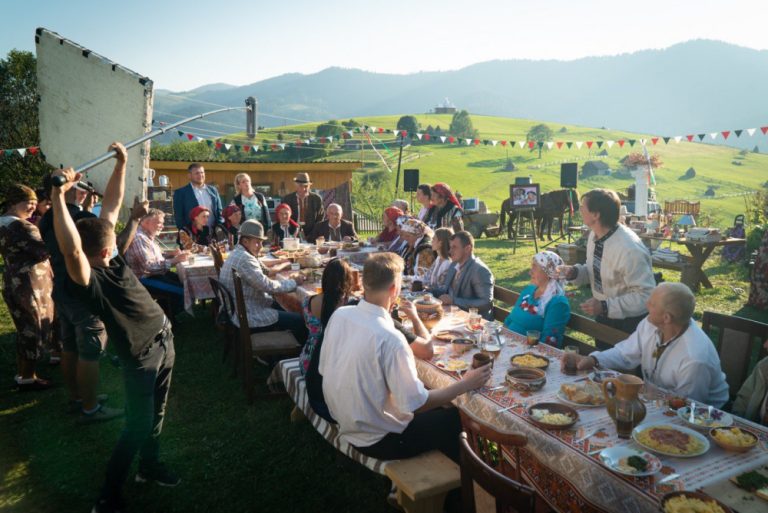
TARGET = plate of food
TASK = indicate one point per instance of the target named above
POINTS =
(552, 415)
(599, 376)
(733, 439)
(630, 462)
(448, 335)
(703, 420)
(753, 481)
(453, 365)
(586, 394)
(532, 360)
(684, 501)
(669, 440)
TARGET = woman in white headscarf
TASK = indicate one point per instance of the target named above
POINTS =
(542, 305)
(418, 253)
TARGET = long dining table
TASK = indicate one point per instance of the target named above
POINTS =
(564, 466)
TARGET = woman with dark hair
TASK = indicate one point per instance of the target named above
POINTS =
(197, 232)
(284, 226)
(389, 220)
(424, 198)
(440, 244)
(446, 211)
(337, 284)
(27, 284)
(232, 217)
(252, 203)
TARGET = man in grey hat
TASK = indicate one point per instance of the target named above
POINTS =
(306, 207)
(264, 314)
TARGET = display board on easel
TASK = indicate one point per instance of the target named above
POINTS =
(524, 199)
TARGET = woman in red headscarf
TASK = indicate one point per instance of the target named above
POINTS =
(197, 232)
(232, 215)
(389, 220)
(446, 211)
(284, 226)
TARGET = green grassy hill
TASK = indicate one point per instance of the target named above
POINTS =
(479, 170)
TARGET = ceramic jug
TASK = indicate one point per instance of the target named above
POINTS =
(622, 393)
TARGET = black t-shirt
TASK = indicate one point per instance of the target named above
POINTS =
(131, 316)
(49, 237)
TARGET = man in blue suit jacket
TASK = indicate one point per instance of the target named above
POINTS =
(468, 281)
(196, 193)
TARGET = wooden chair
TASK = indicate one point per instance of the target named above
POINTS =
(509, 495)
(739, 343)
(253, 345)
(218, 259)
(225, 310)
(682, 207)
(498, 450)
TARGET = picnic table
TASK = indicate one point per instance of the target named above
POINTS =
(692, 268)
(194, 278)
(565, 470)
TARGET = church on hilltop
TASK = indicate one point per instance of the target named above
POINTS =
(445, 108)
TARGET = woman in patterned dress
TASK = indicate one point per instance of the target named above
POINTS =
(27, 284)
(418, 253)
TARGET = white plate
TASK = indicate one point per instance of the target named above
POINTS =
(460, 365)
(725, 419)
(611, 456)
(701, 438)
(564, 399)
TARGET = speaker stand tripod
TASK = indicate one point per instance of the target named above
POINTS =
(528, 214)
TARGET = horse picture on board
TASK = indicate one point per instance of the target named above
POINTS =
(553, 205)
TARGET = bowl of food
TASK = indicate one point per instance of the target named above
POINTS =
(526, 379)
(683, 501)
(530, 360)
(552, 415)
(704, 418)
(670, 440)
(462, 345)
(733, 439)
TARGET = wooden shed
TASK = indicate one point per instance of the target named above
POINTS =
(271, 178)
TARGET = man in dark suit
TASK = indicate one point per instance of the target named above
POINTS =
(334, 228)
(196, 193)
(306, 207)
(468, 281)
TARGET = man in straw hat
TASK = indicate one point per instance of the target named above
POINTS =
(306, 207)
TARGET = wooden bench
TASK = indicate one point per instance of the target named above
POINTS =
(607, 335)
(422, 481)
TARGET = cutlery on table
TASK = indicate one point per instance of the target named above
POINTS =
(709, 413)
(595, 451)
(589, 435)
(497, 388)
(501, 410)
(692, 414)
(668, 478)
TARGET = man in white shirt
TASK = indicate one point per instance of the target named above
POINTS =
(370, 381)
(671, 349)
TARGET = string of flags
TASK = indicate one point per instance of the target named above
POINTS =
(279, 145)
(21, 152)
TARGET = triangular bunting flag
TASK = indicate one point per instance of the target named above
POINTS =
(273, 147)
(621, 143)
(190, 136)
(8, 153)
(569, 144)
(427, 137)
(299, 142)
(738, 132)
(247, 148)
(503, 143)
(643, 141)
(33, 150)
(380, 130)
(654, 140)
(254, 149)
(609, 143)
(468, 141)
(486, 142)
(751, 131)
(678, 138)
(599, 144)
(701, 136)
(227, 146)
(530, 144)
(181, 134)
(666, 140)
(631, 142)
(330, 138)
(238, 147)
(403, 133)
(419, 135)
(450, 139)
(443, 138)
(476, 141)
(540, 144)
(550, 144)
(322, 140)
(373, 128)
(209, 143)
(578, 144)
(199, 139)
(764, 129)
(494, 143)
(219, 145)
(713, 135)
(22, 151)
(282, 146)
(589, 144)
(689, 137)
(726, 134)
(559, 144)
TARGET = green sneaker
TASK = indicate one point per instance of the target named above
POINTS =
(103, 414)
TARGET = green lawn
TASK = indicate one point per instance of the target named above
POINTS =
(232, 457)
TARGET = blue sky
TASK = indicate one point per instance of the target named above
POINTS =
(184, 44)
